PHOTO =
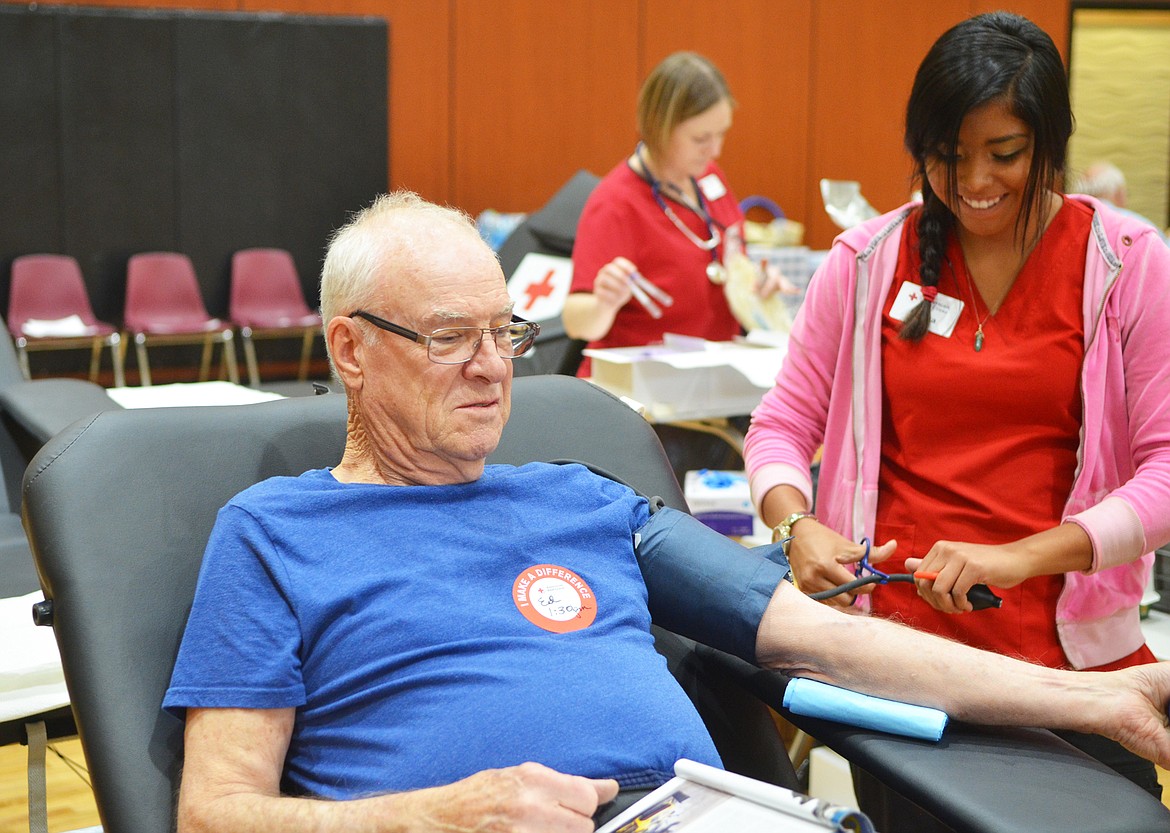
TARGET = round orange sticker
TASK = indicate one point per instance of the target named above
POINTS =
(554, 598)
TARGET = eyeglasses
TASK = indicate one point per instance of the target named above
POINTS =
(457, 345)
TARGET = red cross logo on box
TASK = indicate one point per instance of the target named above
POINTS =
(539, 286)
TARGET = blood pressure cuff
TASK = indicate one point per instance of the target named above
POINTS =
(705, 586)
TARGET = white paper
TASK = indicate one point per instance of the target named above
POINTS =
(182, 394)
(71, 325)
(31, 679)
(689, 378)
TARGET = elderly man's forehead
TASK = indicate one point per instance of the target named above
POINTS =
(439, 256)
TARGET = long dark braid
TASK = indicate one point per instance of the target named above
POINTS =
(934, 224)
(996, 56)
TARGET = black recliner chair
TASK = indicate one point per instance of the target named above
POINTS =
(31, 412)
(550, 231)
(143, 487)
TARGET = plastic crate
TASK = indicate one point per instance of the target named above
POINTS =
(797, 263)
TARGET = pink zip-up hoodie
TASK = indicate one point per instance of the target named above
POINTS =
(828, 392)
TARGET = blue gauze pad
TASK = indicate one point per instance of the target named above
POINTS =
(816, 699)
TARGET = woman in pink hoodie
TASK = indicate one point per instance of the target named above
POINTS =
(988, 373)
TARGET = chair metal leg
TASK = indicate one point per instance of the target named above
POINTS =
(306, 348)
(801, 745)
(229, 357)
(250, 356)
(95, 358)
(118, 356)
(143, 362)
(22, 358)
(205, 357)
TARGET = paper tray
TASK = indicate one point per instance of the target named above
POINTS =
(686, 379)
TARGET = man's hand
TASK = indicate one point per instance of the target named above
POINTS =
(528, 797)
(232, 764)
(1136, 716)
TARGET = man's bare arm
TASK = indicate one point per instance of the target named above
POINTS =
(233, 760)
(879, 657)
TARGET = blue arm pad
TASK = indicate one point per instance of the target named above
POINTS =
(705, 586)
(817, 699)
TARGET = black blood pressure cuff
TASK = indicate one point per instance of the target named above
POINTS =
(705, 586)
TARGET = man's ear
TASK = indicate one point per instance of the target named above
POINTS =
(347, 347)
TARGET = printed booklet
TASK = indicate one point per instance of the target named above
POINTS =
(703, 799)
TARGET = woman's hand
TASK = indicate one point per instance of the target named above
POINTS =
(960, 566)
(611, 287)
(772, 280)
(821, 559)
(588, 316)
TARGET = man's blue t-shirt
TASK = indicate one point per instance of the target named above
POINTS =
(427, 633)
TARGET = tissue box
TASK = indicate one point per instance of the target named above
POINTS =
(721, 500)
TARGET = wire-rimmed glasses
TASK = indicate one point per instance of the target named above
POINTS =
(457, 345)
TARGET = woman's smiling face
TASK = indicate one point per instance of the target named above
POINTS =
(992, 161)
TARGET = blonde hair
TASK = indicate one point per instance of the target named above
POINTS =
(684, 85)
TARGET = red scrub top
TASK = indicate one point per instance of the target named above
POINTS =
(621, 217)
(981, 446)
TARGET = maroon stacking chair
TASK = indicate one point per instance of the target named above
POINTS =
(164, 306)
(49, 309)
(267, 301)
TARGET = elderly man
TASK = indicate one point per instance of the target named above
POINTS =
(375, 634)
(1106, 182)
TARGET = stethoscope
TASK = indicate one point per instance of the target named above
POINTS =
(716, 271)
(980, 595)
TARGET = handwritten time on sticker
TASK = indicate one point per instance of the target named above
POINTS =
(554, 598)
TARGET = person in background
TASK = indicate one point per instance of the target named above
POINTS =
(664, 216)
(359, 655)
(1106, 182)
(989, 375)
(659, 235)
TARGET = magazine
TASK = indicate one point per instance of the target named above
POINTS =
(703, 799)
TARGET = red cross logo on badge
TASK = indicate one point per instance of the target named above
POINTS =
(554, 598)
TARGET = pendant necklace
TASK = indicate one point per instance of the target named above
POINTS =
(1024, 255)
(979, 322)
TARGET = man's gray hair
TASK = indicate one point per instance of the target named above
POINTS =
(1101, 179)
(381, 236)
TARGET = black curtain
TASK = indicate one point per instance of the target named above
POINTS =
(202, 133)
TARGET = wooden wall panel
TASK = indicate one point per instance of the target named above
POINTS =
(864, 64)
(763, 50)
(540, 91)
(495, 103)
(201, 5)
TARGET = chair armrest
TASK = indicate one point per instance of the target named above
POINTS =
(981, 779)
(42, 408)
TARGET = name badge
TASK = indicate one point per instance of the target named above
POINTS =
(944, 312)
(712, 187)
